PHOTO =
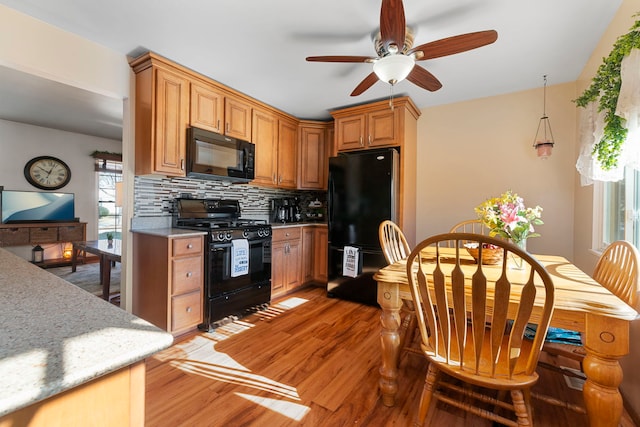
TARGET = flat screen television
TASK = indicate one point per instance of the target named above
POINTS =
(36, 206)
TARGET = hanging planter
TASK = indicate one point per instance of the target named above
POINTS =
(605, 88)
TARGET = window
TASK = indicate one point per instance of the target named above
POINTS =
(617, 210)
(109, 206)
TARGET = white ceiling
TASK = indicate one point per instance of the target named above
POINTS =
(258, 47)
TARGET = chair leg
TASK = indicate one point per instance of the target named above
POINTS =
(433, 374)
(522, 409)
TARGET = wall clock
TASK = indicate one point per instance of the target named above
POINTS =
(47, 172)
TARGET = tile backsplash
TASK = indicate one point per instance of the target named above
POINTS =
(154, 196)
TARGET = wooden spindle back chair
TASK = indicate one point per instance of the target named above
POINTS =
(394, 244)
(472, 329)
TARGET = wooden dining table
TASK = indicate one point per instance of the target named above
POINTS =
(581, 304)
(107, 252)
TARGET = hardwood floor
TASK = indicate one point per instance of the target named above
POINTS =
(308, 360)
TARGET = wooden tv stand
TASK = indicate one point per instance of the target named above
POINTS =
(38, 233)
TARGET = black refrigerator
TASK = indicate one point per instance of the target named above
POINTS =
(362, 192)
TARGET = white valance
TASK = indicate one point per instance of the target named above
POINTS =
(591, 127)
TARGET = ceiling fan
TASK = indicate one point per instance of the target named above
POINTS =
(397, 57)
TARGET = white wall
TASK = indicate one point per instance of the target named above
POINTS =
(470, 151)
(19, 143)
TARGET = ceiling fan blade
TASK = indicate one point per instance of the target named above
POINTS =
(453, 45)
(365, 84)
(392, 23)
(421, 77)
(339, 58)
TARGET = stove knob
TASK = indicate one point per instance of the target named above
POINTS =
(228, 235)
(221, 235)
(245, 233)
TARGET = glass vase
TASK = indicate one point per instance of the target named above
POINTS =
(517, 263)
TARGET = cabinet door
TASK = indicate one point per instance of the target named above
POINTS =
(265, 137)
(312, 171)
(381, 129)
(307, 254)
(171, 118)
(287, 153)
(350, 132)
(320, 254)
(294, 264)
(278, 269)
(237, 117)
(207, 107)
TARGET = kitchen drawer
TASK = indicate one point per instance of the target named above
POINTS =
(186, 311)
(187, 246)
(286, 233)
(14, 236)
(71, 233)
(43, 235)
(186, 275)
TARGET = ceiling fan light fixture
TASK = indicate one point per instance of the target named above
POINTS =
(393, 68)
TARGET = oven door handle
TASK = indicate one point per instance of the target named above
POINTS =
(220, 246)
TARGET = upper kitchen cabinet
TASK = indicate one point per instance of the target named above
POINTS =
(373, 125)
(162, 116)
(275, 137)
(313, 154)
(215, 110)
(238, 119)
(207, 107)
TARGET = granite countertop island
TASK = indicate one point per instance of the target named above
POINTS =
(55, 336)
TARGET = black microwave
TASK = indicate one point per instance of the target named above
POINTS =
(214, 156)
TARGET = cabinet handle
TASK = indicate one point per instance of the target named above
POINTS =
(286, 234)
(274, 178)
(181, 164)
(218, 125)
(369, 139)
(189, 274)
(189, 246)
(361, 143)
(189, 309)
(226, 128)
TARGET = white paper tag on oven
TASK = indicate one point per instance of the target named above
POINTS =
(239, 257)
(350, 261)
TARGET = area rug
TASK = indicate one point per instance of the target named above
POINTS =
(87, 277)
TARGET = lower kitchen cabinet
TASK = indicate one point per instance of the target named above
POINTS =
(168, 280)
(298, 257)
(286, 260)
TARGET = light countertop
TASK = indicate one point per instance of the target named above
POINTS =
(55, 336)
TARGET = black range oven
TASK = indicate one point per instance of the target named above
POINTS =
(238, 258)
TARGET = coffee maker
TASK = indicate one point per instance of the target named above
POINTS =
(285, 210)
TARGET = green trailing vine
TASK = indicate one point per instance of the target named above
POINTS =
(606, 86)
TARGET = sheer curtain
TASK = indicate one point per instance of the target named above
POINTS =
(591, 127)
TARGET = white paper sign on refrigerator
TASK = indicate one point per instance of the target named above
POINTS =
(350, 261)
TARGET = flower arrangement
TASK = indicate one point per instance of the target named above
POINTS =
(507, 216)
